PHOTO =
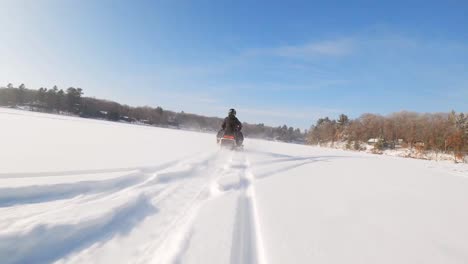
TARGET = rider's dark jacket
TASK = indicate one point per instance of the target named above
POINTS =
(231, 124)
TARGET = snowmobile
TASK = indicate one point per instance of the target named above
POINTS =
(228, 141)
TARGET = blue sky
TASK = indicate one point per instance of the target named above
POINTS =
(277, 62)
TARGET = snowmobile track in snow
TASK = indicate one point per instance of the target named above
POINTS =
(59, 240)
(247, 245)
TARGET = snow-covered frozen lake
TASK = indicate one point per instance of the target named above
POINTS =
(75, 190)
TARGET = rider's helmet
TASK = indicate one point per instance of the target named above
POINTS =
(232, 111)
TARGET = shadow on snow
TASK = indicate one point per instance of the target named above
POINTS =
(48, 243)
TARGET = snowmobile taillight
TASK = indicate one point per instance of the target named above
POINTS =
(229, 137)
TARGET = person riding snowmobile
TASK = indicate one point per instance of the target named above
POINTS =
(232, 126)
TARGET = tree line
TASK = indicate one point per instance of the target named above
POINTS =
(52, 100)
(72, 101)
(437, 131)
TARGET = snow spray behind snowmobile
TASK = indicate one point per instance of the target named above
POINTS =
(227, 141)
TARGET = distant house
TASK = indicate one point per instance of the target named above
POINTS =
(173, 124)
(399, 143)
(127, 119)
(99, 114)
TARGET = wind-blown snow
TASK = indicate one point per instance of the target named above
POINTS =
(75, 190)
